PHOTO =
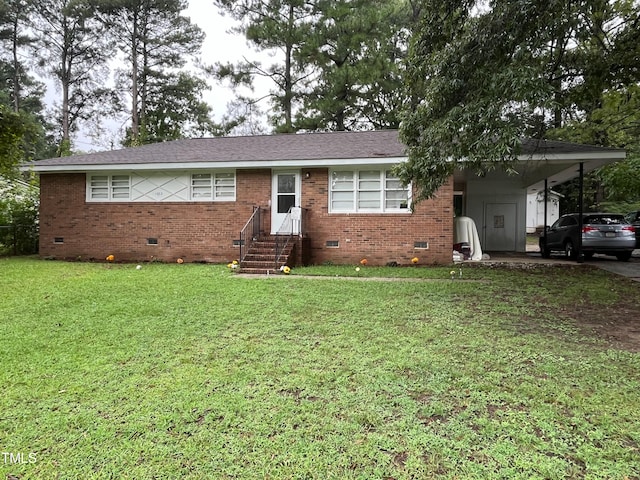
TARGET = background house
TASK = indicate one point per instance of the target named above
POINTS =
(536, 212)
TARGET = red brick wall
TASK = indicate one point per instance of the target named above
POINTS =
(193, 231)
(204, 231)
(378, 238)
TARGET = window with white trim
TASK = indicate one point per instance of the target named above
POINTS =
(219, 186)
(367, 190)
(109, 187)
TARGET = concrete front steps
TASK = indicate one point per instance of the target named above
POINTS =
(261, 257)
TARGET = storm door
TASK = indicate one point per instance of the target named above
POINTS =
(285, 193)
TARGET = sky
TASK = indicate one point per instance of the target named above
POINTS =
(219, 46)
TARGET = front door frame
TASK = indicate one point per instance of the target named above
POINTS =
(276, 217)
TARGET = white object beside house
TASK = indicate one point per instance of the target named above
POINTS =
(535, 209)
(465, 230)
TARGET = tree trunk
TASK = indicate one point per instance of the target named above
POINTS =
(65, 81)
(135, 119)
(288, 87)
(16, 66)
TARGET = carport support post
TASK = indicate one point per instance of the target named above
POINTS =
(580, 257)
(544, 223)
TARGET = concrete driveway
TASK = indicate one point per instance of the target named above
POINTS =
(630, 269)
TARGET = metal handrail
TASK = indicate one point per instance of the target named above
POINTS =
(287, 230)
(249, 233)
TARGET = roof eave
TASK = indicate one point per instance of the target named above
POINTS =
(241, 164)
(605, 155)
(612, 155)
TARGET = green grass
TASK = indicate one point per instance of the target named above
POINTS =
(190, 371)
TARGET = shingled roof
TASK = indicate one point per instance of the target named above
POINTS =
(263, 148)
(303, 148)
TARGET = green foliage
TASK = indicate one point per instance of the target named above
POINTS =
(480, 77)
(474, 85)
(157, 42)
(12, 133)
(19, 202)
(280, 26)
(355, 49)
(615, 123)
(73, 50)
(619, 119)
(174, 111)
(22, 139)
(21, 96)
(338, 64)
(187, 371)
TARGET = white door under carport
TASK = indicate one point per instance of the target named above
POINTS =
(500, 227)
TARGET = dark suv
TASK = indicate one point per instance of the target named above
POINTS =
(606, 233)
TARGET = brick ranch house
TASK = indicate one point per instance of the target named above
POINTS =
(333, 196)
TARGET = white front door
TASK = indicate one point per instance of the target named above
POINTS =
(285, 193)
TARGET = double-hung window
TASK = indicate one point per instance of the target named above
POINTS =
(213, 186)
(367, 190)
(104, 188)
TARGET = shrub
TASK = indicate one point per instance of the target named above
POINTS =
(19, 202)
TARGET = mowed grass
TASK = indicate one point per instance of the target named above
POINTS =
(190, 371)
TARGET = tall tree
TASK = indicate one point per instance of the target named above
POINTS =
(20, 92)
(355, 48)
(14, 128)
(73, 49)
(478, 81)
(482, 76)
(157, 42)
(280, 26)
(602, 108)
(13, 21)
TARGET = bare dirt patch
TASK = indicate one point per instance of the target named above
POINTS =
(619, 326)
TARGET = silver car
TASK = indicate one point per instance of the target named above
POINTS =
(606, 233)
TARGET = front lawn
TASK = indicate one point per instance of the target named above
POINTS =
(191, 371)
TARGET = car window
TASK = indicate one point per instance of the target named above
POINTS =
(567, 222)
(604, 219)
(632, 217)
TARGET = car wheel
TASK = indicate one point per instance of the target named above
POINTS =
(624, 256)
(569, 251)
(544, 251)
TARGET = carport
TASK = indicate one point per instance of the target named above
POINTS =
(497, 201)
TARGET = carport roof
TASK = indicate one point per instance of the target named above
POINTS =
(299, 150)
(558, 162)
